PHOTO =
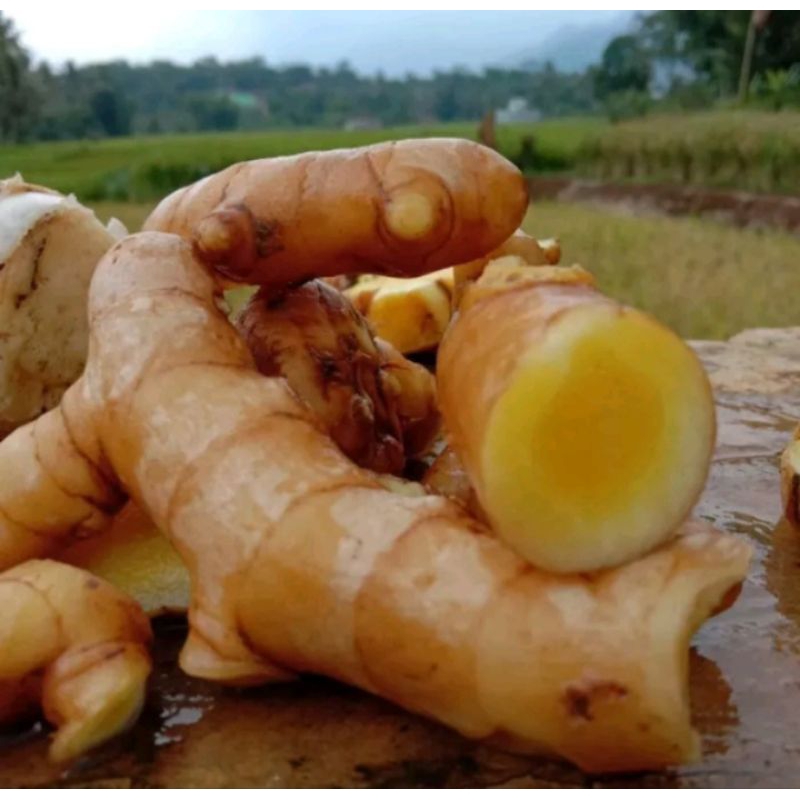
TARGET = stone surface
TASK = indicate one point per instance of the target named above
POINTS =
(745, 664)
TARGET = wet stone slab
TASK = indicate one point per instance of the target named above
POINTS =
(745, 664)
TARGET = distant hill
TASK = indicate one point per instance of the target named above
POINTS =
(574, 47)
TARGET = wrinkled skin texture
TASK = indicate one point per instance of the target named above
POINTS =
(377, 406)
(301, 561)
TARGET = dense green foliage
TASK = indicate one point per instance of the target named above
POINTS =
(668, 60)
(18, 100)
(711, 43)
(119, 99)
(689, 60)
(759, 151)
(625, 66)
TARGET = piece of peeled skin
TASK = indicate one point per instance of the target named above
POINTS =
(447, 477)
(77, 646)
(586, 427)
(533, 252)
(401, 208)
(49, 247)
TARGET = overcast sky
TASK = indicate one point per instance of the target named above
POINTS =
(393, 41)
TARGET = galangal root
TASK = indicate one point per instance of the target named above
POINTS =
(586, 427)
(377, 406)
(301, 561)
(49, 247)
(399, 208)
(73, 644)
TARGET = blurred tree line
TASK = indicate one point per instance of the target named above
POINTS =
(672, 59)
(686, 60)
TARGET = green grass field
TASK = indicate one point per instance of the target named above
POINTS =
(706, 280)
(751, 150)
(148, 168)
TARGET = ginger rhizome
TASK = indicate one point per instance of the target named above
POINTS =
(75, 645)
(301, 561)
(586, 427)
(400, 208)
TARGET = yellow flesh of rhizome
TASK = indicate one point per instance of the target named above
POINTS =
(600, 442)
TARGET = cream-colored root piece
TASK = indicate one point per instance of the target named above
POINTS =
(401, 208)
(586, 427)
(531, 251)
(411, 313)
(414, 313)
(300, 561)
(49, 247)
(77, 646)
(137, 559)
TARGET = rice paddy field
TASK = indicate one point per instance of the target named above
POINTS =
(756, 151)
